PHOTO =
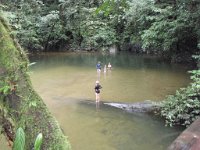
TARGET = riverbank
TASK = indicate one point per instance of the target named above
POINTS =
(20, 104)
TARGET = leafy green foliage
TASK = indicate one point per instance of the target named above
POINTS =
(97, 34)
(113, 12)
(32, 104)
(161, 34)
(183, 107)
(169, 28)
(51, 30)
(24, 18)
(173, 29)
(38, 142)
(19, 142)
(5, 89)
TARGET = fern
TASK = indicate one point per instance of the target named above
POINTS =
(19, 142)
(38, 142)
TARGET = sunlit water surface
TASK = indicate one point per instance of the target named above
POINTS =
(66, 80)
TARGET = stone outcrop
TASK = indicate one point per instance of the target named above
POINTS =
(146, 106)
(188, 139)
(137, 107)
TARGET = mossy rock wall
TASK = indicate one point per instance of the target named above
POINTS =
(19, 103)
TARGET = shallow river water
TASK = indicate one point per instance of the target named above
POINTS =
(66, 81)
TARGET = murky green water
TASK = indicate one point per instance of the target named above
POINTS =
(65, 81)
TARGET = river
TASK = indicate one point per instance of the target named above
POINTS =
(66, 80)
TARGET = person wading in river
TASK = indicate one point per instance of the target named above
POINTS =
(97, 91)
(98, 67)
(109, 66)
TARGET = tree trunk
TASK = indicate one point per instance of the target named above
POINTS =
(23, 107)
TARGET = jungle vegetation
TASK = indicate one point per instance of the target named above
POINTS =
(166, 27)
(183, 108)
(169, 28)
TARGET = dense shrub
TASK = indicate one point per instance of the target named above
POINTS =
(183, 107)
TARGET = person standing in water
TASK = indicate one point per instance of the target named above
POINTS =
(98, 67)
(105, 69)
(97, 91)
(109, 66)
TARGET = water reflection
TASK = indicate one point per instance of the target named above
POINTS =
(68, 81)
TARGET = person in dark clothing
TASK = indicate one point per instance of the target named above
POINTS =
(97, 91)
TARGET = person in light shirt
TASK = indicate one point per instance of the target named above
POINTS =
(109, 66)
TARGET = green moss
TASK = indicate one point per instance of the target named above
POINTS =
(22, 104)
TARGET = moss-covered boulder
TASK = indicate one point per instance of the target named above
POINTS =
(20, 106)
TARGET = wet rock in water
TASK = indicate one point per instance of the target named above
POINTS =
(146, 106)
